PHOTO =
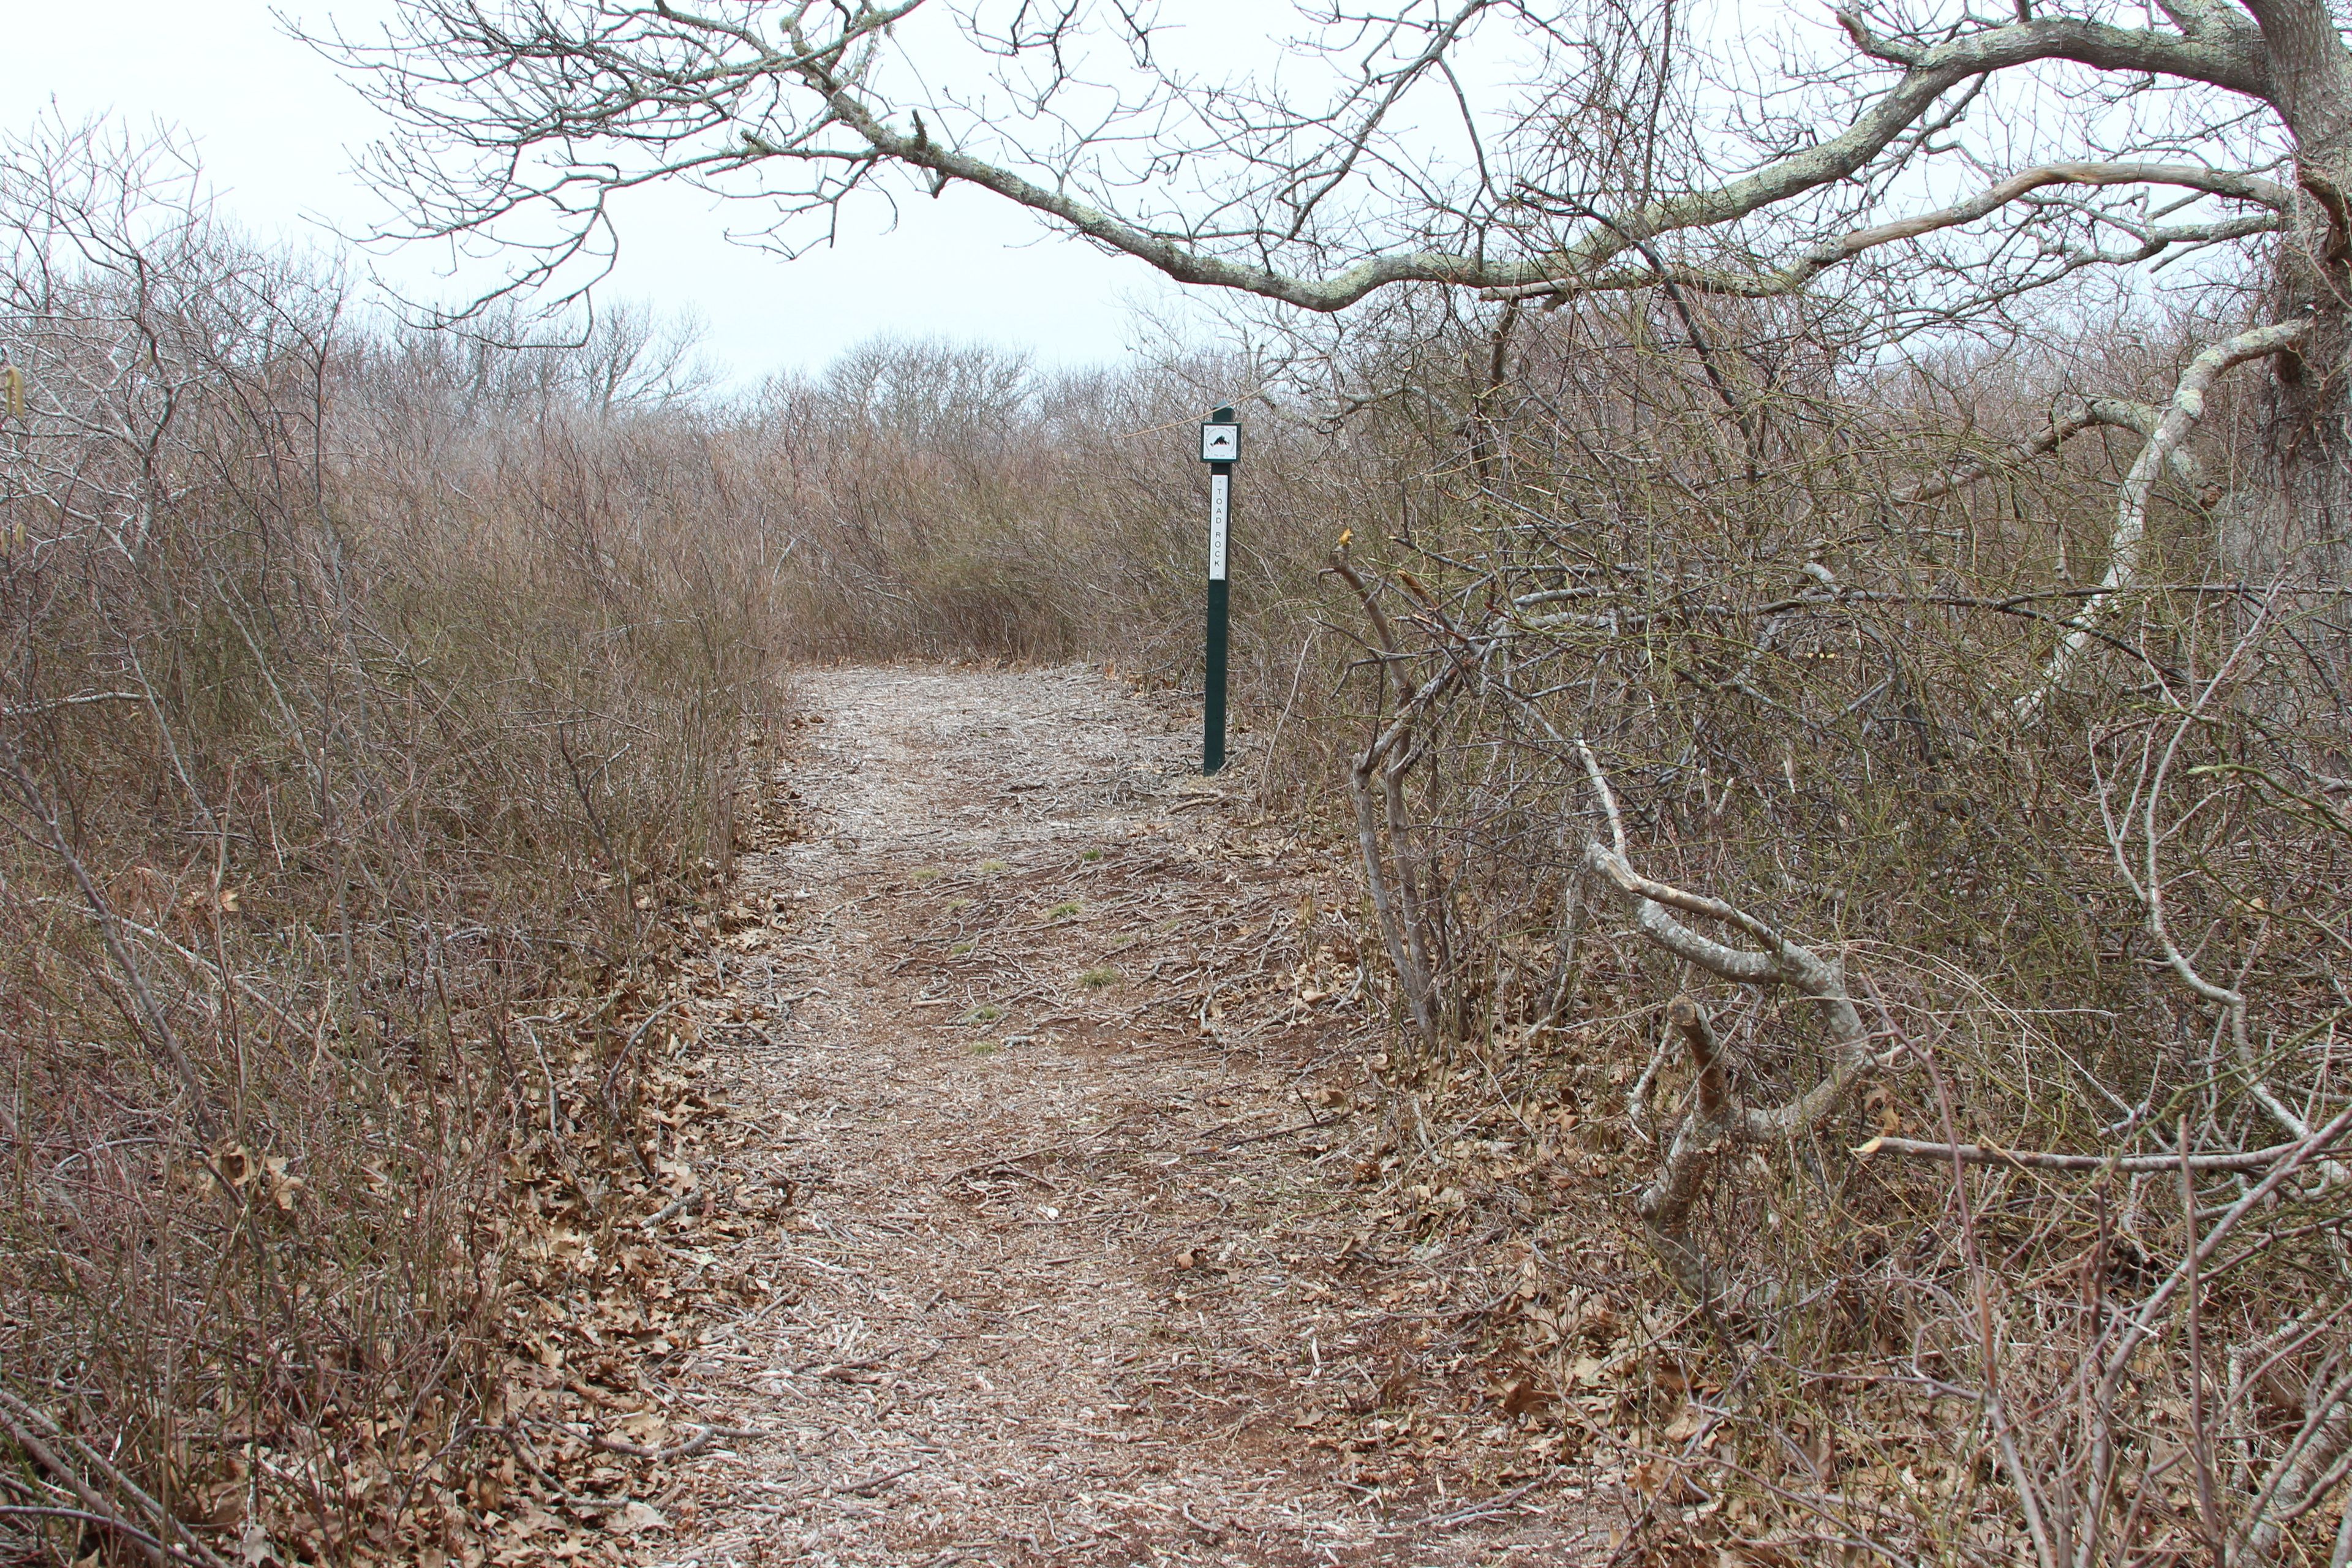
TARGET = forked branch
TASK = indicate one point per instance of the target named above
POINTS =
(2116, 412)
(1376, 786)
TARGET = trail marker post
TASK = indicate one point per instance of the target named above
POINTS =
(1221, 448)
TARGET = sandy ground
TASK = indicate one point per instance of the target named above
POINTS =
(1057, 1057)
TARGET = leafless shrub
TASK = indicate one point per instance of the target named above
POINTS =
(2040, 791)
(350, 705)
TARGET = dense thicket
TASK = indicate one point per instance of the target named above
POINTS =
(1806, 788)
(1918, 683)
(372, 694)
(368, 702)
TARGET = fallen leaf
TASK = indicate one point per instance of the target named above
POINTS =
(634, 1518)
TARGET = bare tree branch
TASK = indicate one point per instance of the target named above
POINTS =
(2181, 417)
(1820, 258)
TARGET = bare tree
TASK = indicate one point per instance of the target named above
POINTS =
(1955, 163)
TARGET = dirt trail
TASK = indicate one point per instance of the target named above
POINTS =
(1070, 1129)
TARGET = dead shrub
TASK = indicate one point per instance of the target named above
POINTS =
(1992, 1148)
(349, 713)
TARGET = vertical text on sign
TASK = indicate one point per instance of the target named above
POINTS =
(1220, 490)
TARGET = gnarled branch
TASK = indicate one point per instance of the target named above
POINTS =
(1673, 1195)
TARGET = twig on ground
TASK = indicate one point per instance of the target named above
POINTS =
(683, 1448)
(1502, 1502)
(1211, 1531)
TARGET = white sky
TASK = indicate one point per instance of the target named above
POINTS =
(276, 130)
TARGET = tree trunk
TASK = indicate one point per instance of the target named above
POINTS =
(2295, 524)
(2293, 521)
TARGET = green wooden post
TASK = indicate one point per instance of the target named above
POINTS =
(1221, 448)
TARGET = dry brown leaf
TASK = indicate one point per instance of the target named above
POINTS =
(635, 1519)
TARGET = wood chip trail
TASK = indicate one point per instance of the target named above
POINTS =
(1049, 1047)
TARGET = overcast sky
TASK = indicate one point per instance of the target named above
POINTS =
(277, 129)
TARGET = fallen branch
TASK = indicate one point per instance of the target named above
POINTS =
(1001, 1161)
(1214, 1534)
(865, 1488)
(660, 1216)
(1267, 1137)
(1502, 1502)
(683, 1448)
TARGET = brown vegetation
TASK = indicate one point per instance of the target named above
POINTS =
(2086, 907)
(1979, 937)
(366, 711)
(1874, 756)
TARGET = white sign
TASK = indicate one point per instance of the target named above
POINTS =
(1221, 443)
(1220, 491)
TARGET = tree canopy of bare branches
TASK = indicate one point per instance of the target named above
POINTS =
(1945, 164)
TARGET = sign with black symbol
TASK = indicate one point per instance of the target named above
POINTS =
(1221, 443)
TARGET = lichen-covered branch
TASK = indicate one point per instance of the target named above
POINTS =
(2125, 544)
